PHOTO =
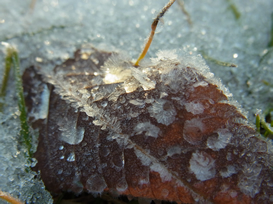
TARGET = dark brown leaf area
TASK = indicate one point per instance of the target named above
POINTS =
(186, 145)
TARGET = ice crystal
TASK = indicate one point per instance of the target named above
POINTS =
(202, 165)
(163, 111)
(149, 129)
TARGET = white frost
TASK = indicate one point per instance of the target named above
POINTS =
(228, 172)
(71, 157)
(220, 142)
(250, 179)
(149, 129)
(163, 111)
(202, 165)
(194, 107)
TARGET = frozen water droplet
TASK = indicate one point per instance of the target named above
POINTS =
(122, 185)
(70, 132)
(61, 147)
(96, 183)
(60, 171)
(62, 157)
(104, 103)
(43, 108)
(71, 157)
(122, 99)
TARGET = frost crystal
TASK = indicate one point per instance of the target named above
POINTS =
(163, 111)
(202, 165)
(221, 141)
(230, 170)
(194, 107)
(193, 131)
(149, 129)
(71, 157)
(250, 180)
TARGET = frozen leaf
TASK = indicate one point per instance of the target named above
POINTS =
(181, 139)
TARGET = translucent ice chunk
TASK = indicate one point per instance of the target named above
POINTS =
(43, 108)
(70, 132)
(71, 157)
(96, 183)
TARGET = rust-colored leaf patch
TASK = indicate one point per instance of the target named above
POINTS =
(165, 130)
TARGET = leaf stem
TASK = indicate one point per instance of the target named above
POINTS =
(9, 198)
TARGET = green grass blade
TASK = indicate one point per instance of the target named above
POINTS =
(270, 44)
(234, 10)
(218, 62)
(13, 59)
(8, 63)
(258, 123)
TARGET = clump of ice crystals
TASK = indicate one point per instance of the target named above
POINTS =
(220, 141)
(202, 165)
(163, 111)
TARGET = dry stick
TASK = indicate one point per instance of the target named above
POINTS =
(154, 25)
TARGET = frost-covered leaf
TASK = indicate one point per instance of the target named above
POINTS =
(166, 130)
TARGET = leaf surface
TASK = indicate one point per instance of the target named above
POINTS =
(167, 131)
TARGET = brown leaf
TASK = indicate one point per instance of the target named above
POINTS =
(165, 130)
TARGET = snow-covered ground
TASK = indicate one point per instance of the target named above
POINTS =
(49, 31)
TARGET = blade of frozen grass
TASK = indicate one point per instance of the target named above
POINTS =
(234, 10)
(5, 80)
(261, 122)
(13, 60)
(183, 9)
(218, 62)
(258, 123)
(270, 44)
